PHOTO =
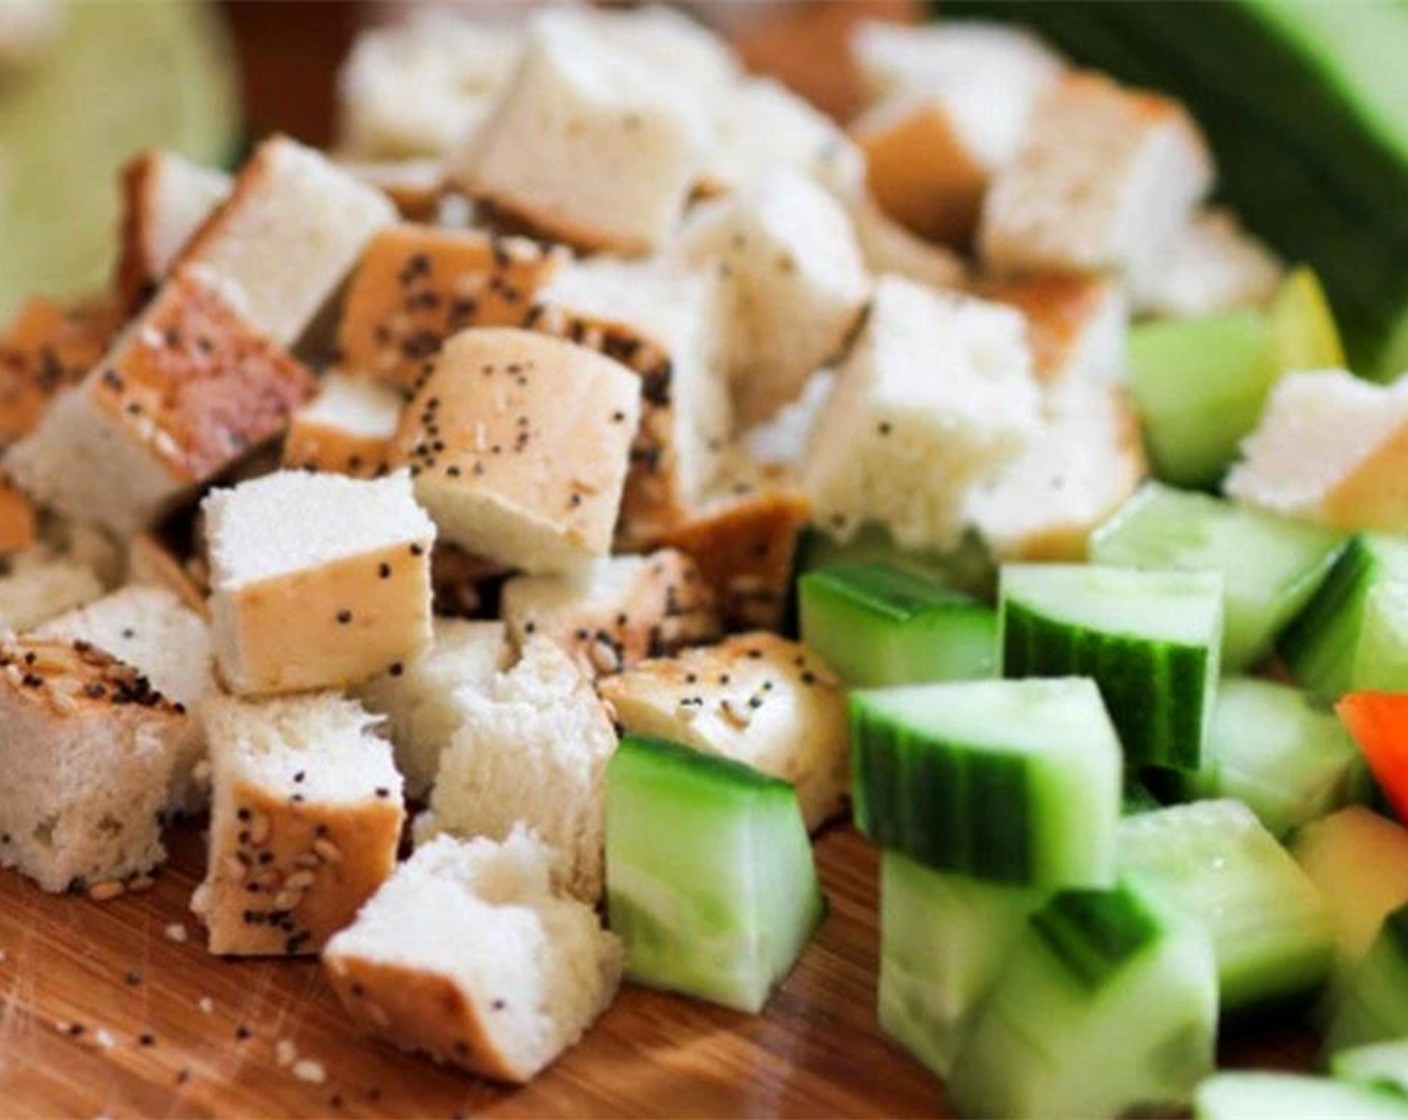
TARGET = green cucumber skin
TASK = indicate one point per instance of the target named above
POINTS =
(1094, 934)
(877, 625)
(916, 801)
(710, 879)
(1154, 690)
(1319, 644)
(1300, 166)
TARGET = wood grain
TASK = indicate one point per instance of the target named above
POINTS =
(816, 1051)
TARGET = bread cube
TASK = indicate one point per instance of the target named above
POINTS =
(16, 518)
(422, 85)
(1104, 181)
(183, 394)
(418, 698)
(755, 698)
(662, 322)
(762, 127)
(469, 955)
(1332, 448)
(150, 629)
(936, 393)
(316, 580)
(793, 281)
(289, 232)
(951, 104)
(305, 820)
(415, 186)
(1078, 324)
(165, 199)
(519, 445)
(1082, 466)
(45, 349)
(90, 752)
(1212, 264)
(618, 611)
(417, 285)
(347, 429)
(888, 247)
(532, 748)
(587, 144)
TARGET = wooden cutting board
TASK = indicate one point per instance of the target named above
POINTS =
(102, 1013)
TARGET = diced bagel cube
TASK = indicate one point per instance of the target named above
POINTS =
(418, 285)
(16, 518)
(663, 323)
(165, 199)
(519, 446)
(317, 581)
(290, 231)
(1104, 181)
(45, 349)
(347, 429)
(793, 281)
(762, 127)
(91, 753)
(531, 749)
(755, 698)
(587, 144)
(1332, 448)
(618, 611)
(1078, 324)
(40, 584)
(150, 629)
(422, 85)
(1082, 466)
(937, 392)
(151, 563)
(418, 698)
(186, 391)
(1211, 265)
(305, 819)
(469, 955)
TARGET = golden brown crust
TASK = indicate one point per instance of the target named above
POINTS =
(652, 499)
(196, 384)
(310, 445)
(66, 677)
(920, 171)
(418, 285)
(417, 1010)
(744, 547)
(552, 225)
(16, 518)
(1058, 307)
(285, 874)
(531, 425)
(44, 350)
(135, 276)
(1374, 494)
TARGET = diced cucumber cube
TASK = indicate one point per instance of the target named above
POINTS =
(944, 939)
(876, 625)
(1011, 781)
(969, 568)
(1380, 1065)
(1371, 1005)
(709, 873)
(1358, 861)
(1270, 565)
(1381, 661)
(1215, 863)
(1150, 639)
(1291, 1096)
(1105, 1006)
(1287, 758)
(1199, 386)
(1325, 647)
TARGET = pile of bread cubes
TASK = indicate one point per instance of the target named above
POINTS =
(418, 474)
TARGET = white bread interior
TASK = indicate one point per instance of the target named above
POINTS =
(1212, 264)
(468, 954)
